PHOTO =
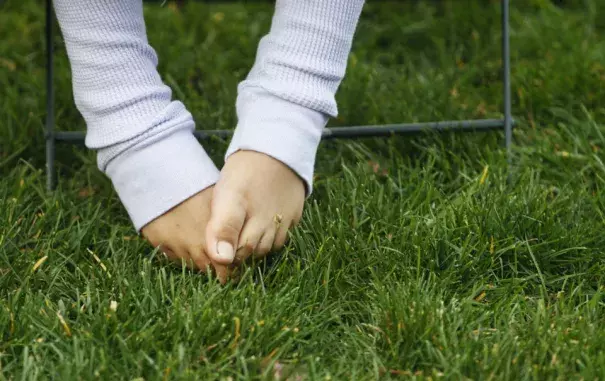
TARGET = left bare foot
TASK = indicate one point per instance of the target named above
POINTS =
(180, 234)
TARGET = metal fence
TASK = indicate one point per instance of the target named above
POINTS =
(506, 123)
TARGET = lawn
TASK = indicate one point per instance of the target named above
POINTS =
(416, 258)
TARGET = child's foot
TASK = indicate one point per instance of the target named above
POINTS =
(255, 202)
(181, 234)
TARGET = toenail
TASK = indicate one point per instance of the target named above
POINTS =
(225, 250)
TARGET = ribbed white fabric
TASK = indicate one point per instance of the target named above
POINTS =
(285, 102)
(144, 138)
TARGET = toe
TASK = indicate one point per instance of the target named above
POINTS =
(226, 222)
(167, 254)
(180, 257)
(249, 238)
(222, 273)
(199, 258)
(204, 264)
(281, 238)
(265, 244)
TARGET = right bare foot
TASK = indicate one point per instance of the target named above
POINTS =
(181, 234)
(256, 201)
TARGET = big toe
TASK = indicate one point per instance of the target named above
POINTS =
(226, 222)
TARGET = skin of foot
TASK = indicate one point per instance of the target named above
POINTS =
(180, 234)
(255, 202)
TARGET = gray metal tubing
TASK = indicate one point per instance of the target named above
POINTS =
(412, 128)
(508, 120)
(50, 100)
(347, 132)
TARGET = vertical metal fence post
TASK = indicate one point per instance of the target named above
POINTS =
(50, 101)
(508, 122)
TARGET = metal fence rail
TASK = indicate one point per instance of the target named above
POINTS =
(52, 136)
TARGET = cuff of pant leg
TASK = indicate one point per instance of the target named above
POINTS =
(154, 179)
(281, 129)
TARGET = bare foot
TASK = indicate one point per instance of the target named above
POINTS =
(180, 234)
(256, 201)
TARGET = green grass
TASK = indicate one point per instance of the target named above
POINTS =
(415, 258)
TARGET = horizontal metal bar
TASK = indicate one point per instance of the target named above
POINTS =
(412, 128)
(69, 136)
(348, 132)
